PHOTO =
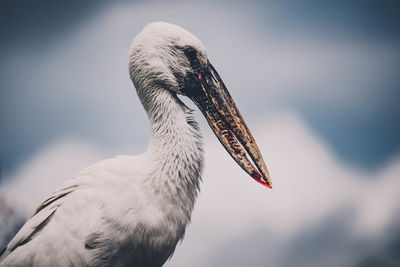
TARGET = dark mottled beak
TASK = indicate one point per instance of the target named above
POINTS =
(206, 89)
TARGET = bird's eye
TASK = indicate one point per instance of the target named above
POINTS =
(191, 55)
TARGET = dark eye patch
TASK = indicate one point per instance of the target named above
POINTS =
(191, 55)
(189, 82)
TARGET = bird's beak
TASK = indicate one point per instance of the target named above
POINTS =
(224, 118)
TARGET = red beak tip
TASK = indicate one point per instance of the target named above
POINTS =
(267, 184)
(256, 176)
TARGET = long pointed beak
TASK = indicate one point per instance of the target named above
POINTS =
(224, 118)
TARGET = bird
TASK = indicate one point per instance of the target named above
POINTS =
(133, 210)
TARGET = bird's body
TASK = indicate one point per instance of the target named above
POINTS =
(154, 192)
(129, 210)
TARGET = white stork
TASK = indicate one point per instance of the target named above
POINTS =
(133, 210)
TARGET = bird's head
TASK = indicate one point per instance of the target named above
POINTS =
(162, 54)
(166, 56)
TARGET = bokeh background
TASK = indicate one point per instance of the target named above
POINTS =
(317, 81)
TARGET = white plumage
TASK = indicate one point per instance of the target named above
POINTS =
(131, 210)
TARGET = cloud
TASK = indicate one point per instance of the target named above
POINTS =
(321, 211)
(82, 78)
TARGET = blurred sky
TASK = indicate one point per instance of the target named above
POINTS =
(333, 66)
(336, 63)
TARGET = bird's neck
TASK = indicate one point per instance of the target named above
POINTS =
(175, 151)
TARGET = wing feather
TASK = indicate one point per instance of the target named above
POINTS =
(40, 219)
